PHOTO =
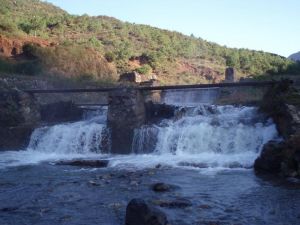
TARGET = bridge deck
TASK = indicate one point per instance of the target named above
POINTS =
(151, 88)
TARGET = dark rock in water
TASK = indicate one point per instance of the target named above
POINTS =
(85, 163)
(271, 158)
(282, 103)
(280, 158)
(15, 138)
(162, 187)
(156, 112)
(8, 209)
(158, 166)
(176, 203)
(60, 112)
(138, 212)
(235, 165)
(196, 165)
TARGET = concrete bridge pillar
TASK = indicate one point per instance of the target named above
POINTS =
(126, 111)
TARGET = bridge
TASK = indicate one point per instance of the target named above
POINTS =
(151, 88)
(128, 108)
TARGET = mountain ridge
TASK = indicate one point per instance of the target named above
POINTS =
(295, 56)
(102, 47)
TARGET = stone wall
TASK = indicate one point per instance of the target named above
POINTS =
(19, 115)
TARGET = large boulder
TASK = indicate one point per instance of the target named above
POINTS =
(282, 103)
(281, 158)
(138, 212)
(15, 138)
(270, 158)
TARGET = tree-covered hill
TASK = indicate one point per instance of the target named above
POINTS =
(39, 38)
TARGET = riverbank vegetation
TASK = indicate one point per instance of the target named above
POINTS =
(40, 38)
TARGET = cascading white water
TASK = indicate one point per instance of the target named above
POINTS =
(83, 139)
(209, 136)
(72, 138)
(204, 136)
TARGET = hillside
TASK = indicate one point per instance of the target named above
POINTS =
(295, 56)
(53, 42)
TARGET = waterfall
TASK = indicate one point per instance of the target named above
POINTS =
(209, 136)
(200, 135)
(86, 136)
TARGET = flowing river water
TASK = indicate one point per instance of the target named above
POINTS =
(208, 154)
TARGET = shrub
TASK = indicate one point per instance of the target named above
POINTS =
(5, 66)
(7, 25)
(110, 56)
(95, 43)
(30, 50)
(145, 69)
(30, 67)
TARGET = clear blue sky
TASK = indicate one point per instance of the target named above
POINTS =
(268, 25)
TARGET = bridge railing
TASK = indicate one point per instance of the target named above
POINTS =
(152, 88)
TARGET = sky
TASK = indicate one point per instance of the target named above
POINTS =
(268, 25)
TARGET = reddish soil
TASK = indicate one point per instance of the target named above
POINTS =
(11, 47)
(206, 72)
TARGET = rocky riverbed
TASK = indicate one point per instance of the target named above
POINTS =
(50, 194)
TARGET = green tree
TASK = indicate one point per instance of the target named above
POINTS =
(232, 60)
(33, 25)
(145, 69)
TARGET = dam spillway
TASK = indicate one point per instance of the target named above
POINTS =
(206, 151)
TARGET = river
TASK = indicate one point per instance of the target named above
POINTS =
(207, 154)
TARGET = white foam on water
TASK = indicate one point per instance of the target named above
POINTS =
(208, 137)
(82, 139)
(75, 138)
(29, 157)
